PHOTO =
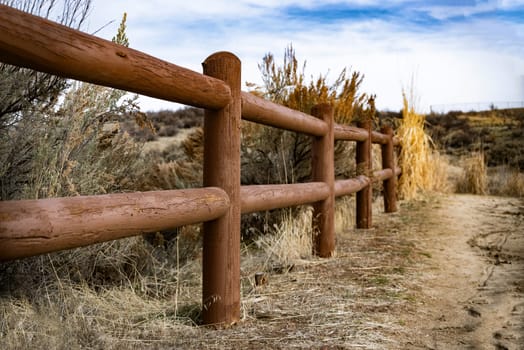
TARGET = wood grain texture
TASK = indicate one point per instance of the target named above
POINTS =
(323, 170)
(221, 248)
(33, 42)
(388, 162)
(380, 138)
(267, 197)
(364, 167)
(265, 112)
(350, 133)
(32, 227)
(382, 175)
(350, 186)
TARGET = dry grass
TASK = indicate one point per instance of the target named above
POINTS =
(344, 213)
(441, 181)
(474, 179)
(290, 239)
(506, 181)
(423, 169)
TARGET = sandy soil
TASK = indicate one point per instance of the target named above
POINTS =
(473, 294)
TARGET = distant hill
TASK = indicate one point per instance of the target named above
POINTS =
(499, 133)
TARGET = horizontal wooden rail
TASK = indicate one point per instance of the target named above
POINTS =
(267, 197)
(36, 43)
(265, 112)
(350, 133)
(379, 138)
(31, 227)
(346, 187)
(350, 186)
(381, 175)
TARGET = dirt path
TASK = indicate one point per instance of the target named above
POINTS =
(473, 294)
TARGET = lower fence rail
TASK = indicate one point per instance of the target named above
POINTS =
(32, 227)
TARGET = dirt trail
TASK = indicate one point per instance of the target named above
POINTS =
(473, 295)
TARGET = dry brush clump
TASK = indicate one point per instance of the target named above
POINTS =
(475, 176)
(422, 167)
(288, 153)
(506, 181)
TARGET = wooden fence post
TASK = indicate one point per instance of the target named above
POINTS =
(323, 170)
(364, 167)
(388, 161)
(221, 241)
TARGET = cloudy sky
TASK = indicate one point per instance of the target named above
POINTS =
(458, 52)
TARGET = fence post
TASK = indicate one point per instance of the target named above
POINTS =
(364, 167)
(323, 170)
(221, 238)
(388, 161)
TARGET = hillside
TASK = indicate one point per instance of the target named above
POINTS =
(499, 133)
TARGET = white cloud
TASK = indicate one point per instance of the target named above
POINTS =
(508, 4)
(478, 60)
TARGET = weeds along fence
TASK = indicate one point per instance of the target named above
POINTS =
(32, 227)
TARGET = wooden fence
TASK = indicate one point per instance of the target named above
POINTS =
(31, 227)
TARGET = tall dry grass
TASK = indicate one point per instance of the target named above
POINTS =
(290, 239)
(423, 169)
(506, 181)
(474, 178)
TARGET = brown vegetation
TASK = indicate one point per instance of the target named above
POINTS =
(497, 133)
(487, 146)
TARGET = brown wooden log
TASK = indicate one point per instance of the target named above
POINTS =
(32, 227)
(377, 137)
(388, 162)
(346, 187)
(267, 197)
(221, 249)
(265, 112)
(350, 133)
(364, 197)
(36, 43)
(323, 170)
(382, 175)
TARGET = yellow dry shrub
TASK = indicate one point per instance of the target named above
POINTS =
(475, 176)
(421, 169)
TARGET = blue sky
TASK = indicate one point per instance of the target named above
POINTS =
(457, 51)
